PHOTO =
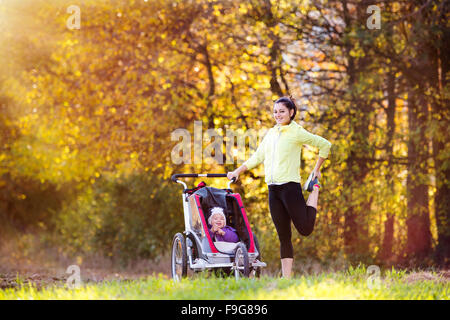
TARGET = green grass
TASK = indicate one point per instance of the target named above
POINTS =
(349, 284)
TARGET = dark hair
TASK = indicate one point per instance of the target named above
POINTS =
(289, 103)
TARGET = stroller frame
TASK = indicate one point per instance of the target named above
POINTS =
(194, 249)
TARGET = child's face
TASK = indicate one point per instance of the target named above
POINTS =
(218, 221)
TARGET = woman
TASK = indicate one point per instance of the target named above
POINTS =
(280, 151)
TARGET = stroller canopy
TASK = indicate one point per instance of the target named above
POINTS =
(212, 197)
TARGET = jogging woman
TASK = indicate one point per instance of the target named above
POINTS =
(280, 151)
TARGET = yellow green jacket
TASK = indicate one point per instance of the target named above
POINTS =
(281, 150)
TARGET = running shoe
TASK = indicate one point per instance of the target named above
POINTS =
(309, 184)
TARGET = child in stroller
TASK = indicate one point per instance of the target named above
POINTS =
(219, 231)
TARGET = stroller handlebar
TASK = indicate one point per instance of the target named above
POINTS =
(196, 175)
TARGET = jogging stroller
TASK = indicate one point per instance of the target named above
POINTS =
(196, 250)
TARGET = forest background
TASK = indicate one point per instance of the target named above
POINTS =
(91, 93)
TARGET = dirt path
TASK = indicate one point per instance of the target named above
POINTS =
(59, 278)
(41, 274)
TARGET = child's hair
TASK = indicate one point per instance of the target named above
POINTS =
(216, 210)
(288, 102)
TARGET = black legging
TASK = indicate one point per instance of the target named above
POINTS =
(287, 204)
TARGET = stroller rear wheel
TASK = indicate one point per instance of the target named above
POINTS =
(241, 261)
(179, 257)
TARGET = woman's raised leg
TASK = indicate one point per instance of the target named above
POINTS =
(302, 215)
(313, 197)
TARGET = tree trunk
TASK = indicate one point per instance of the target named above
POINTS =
(356, 240)
(440, 140)
(273, 63)
(418, 245)
(388, 237)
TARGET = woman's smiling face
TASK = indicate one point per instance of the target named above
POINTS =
(282, 114)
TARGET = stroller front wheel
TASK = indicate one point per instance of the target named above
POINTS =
(179, 257)
(241, 261)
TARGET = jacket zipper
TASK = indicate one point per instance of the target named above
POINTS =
(274, 151)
